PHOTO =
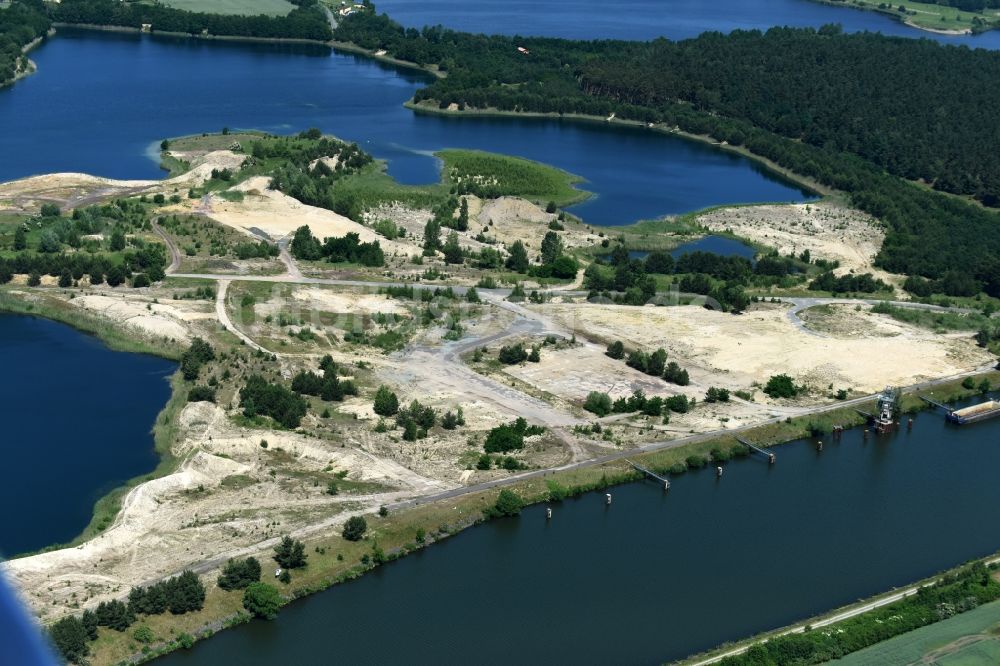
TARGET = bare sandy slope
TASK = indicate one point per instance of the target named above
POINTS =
(736, 351)
(344, 300)
(76, 189)
(510, 219)
(827, 229)
(151, 319)
(279, 215)
(222, 500)
(506, 220)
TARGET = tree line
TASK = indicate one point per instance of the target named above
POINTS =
(20, 24)
(347, 248)
(859, 113)
(307, 21)
(179, 595)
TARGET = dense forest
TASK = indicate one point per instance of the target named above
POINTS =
(20, 24)
(859, 113)
(306, 21)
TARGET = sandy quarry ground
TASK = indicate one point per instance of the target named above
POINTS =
(70, 190)
(347, 301)
(229, 494)
(155, 320)
(827, 229)
(506, 219)
(279, 215)
(510, 219)
(222, 499)
(739, 351)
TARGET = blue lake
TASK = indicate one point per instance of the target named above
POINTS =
(649, 19)
(77, 420)
(727, 247)
(100, 101)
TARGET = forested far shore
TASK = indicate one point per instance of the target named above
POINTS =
(861, 113)
(306, 21)
(20, 24)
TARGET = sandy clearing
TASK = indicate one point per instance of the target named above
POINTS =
(279, 215)
(827, 229)
(414, 220)
(345, 300)
(510, 219)
(75, 189)
(737, 351)
(153, 319)
(222, 499)
(574, 372)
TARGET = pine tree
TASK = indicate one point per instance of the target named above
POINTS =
(452, 250)
(462, 223)
(386, 402)
(432, 237)
(518, 259)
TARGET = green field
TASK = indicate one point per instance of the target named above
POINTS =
(968, 639)
(492, 175)
(929, 15)
(233, 7)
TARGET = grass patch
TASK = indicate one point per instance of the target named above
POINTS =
(233, 7)
(938, 322)
(929, 15)
(215, 141)
(490, 175)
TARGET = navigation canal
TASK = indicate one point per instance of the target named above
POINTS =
(656, 576)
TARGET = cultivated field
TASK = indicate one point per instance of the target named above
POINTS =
(233, 7)
(969, 639)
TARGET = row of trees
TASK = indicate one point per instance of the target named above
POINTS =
(654, 363)
(329, 386)
(955, 593)
(516, 353)
(142, 267)
(416, 419)
(347, 248)
(601, 404)
(307, 21)
(865, 283)
(510, 436)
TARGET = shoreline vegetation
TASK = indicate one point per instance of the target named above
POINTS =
(23, 27)
(910, 17)
(192, 35)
